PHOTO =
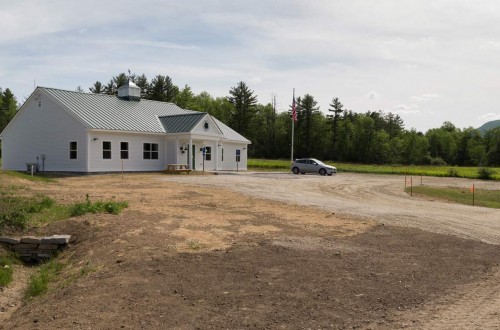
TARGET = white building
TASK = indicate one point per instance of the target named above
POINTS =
(65, 131)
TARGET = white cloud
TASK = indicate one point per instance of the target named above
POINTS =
(490, 46)
(424, 97)
(255, 80)
(490, 116)
(372, 95)
(404, 109)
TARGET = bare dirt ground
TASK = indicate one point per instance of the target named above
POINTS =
(268, 251)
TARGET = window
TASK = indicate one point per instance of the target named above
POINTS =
(124, 150)
(106, 150)
(222, 154)
(39, 103)
(73, 148)
(238, 158)
(208, 153)
(150, 151)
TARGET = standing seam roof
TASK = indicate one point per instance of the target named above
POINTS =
(108, 112)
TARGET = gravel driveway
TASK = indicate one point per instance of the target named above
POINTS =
(378, 197)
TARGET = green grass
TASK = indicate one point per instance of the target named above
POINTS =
(486, 198)
(39, 282)
(442, 171)
(38, 177)
(20, 212)
(16, 211)
(6, 270)
(97, 207)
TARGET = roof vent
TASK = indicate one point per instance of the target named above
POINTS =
(129, 91)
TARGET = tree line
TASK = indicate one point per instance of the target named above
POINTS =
(376, 137)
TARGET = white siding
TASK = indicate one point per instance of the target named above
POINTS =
(135, 161)
(171, 152)
(46, 130)
(229, 163)
(212, 130)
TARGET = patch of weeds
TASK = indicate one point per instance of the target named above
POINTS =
(47, 273)
(195, 245)
(15, 212)
(6, 270)
(97, 207)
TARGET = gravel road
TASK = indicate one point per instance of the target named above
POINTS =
(378, 197)
(382, 198)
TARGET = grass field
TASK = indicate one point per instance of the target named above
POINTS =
(486, 198)
(443, 171)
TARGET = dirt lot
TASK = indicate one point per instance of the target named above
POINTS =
(195, 252)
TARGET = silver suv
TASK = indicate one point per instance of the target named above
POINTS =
(312, 165)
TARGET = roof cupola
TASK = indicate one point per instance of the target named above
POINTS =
(129, 91)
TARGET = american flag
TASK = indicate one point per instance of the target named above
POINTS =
(294, 109)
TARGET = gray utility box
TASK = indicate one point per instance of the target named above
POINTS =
(29, 166)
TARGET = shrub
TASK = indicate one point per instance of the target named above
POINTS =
(438, 161)
(452, 172)
(485, 173)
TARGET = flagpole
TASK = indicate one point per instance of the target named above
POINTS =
(293, 124)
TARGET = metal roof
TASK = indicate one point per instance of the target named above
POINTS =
(229, 133)
(108, 112)
(181, 123)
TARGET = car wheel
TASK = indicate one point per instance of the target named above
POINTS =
(295, 170)
(322, 171)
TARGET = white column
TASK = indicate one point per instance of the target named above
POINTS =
(190, 153)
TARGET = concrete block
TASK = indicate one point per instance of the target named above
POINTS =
(47, 246)
(30, 240)
(56, 239)
(23, 246)
(9, 240)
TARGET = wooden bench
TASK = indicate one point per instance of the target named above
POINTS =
(177, 168)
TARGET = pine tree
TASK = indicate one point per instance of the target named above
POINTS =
(337, 109)
(243, 113)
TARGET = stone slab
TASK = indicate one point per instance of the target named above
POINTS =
(9, 240)
(24, 246)
(48, 246)
(56, 239)
(30, 240)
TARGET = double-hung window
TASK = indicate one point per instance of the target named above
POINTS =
(73, 150)
(106, 149)
(208, 153)
(124, 150)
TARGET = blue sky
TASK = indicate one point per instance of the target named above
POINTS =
(428, 61)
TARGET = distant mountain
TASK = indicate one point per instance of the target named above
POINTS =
(489, 125)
